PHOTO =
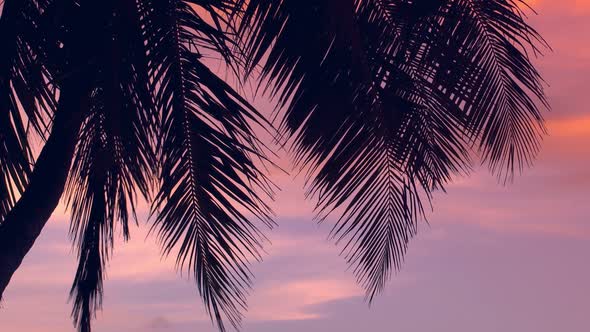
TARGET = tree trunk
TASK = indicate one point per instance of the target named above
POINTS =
(24, 222)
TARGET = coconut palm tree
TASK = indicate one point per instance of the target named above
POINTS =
(382, 101)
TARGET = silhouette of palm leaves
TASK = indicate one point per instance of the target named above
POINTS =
(23, 87)
(384, 102)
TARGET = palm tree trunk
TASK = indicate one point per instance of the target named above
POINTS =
(24, 222)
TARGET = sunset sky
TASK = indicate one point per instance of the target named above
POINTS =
(493, 258)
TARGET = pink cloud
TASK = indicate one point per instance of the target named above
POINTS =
(290, 300)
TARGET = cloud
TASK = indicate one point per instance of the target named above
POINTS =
(291, 300)
(159, 323)
(574, 7)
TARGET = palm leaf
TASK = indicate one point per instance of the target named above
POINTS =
(384, 101)
(115, 157)
(26, 100)
(207, 202)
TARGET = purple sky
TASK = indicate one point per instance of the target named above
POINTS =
(494, 258)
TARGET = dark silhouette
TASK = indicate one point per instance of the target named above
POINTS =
(384, 101)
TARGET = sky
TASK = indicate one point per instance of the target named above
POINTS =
(493, 258)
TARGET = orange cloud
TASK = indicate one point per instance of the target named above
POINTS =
(571, 127)
(578, 7)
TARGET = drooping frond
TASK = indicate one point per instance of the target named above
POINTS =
(26, 100)
(208, 200)
(115, 157)
(494, 77)
(384, 99)
(107, 171)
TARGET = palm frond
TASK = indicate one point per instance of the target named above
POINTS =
(207, 200)
(26, 100)
(384, 100)
(115, 156)
(499, 85)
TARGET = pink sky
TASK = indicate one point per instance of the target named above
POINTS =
(494, 258)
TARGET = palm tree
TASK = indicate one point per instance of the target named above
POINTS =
(384, 102)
